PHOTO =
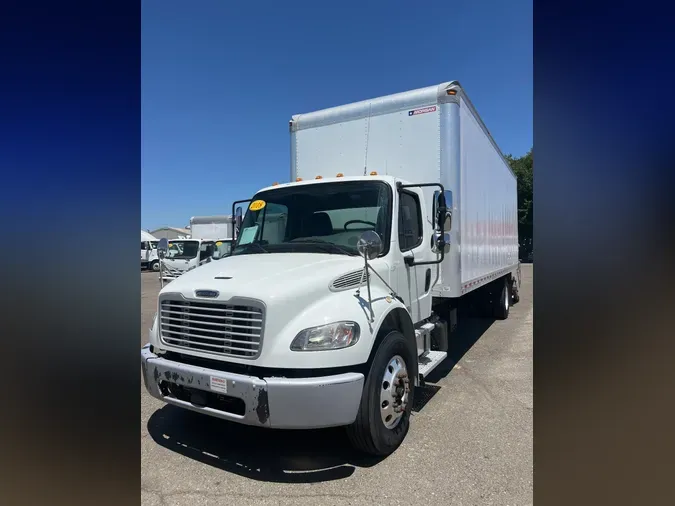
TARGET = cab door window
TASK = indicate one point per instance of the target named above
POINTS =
(409, 221)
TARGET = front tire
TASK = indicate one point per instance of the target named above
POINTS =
(154, 266)
(383, 419)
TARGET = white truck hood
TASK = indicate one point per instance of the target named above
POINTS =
(269, 277)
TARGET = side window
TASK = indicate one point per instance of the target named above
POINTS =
(143, 247)
(409, 221)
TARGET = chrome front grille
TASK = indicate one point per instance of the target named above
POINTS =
(224, 329)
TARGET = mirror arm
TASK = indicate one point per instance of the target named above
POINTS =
(400, 186)
(410, 261)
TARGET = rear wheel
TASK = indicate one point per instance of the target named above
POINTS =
(386, 403)
(502, 303)
(515, 296)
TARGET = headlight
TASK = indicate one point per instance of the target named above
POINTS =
(327, 337)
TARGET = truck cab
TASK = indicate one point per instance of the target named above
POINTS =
(149, 258)
(186, 254)
(320, 316)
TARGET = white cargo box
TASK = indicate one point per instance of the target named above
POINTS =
(211, 227)
(429, 135)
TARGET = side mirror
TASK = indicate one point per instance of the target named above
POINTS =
(163, 247)
(447, 222)
(369, 245)
(436, 242)
(443, 206)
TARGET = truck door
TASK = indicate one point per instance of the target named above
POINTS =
(413, 281)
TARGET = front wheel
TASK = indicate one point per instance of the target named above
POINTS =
(154, 266)
(386, 403)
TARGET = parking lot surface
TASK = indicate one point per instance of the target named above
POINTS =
(470, 440)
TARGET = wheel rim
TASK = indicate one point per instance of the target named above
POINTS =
(155, 267)
(394, 392)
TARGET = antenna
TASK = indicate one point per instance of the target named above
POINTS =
(365, 162)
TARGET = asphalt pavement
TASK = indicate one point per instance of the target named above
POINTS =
(470, 441)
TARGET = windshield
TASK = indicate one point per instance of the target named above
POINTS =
(183, 249)
(316, 218)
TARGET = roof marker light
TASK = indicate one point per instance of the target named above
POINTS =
(275, 183)
(298, 179)
(318, 177)
(451, 92)
(339, 174)
(373, 173)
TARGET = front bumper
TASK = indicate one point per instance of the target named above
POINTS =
(282, 403)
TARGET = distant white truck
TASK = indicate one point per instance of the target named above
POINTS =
(149, 257)
(341, 291)
(210, 239)
(211, 227)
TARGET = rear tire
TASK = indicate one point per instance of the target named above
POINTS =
(503, 301)
(515, 296)
(383, 419)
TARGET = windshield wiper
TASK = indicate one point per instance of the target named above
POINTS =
(248, 245)
(326, 246)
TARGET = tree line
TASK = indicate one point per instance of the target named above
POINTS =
(522, 167)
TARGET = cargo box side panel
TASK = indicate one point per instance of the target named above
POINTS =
(403, 143)
(489, 228)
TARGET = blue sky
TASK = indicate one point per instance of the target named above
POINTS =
(220, 81)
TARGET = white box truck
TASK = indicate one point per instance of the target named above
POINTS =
(338, 298)
(149, 257)
(215, 228)
(210, 239)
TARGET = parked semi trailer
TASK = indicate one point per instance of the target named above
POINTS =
(340, 293)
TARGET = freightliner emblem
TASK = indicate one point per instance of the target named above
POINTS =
(207, 293)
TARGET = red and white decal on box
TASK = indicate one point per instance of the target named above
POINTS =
(424, 110)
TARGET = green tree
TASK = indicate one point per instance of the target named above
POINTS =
(522, 167)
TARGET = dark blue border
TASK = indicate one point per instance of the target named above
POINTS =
(604, 248)
(70, 163)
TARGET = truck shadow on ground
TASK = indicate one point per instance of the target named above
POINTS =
(287, 456)
(467, 334)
